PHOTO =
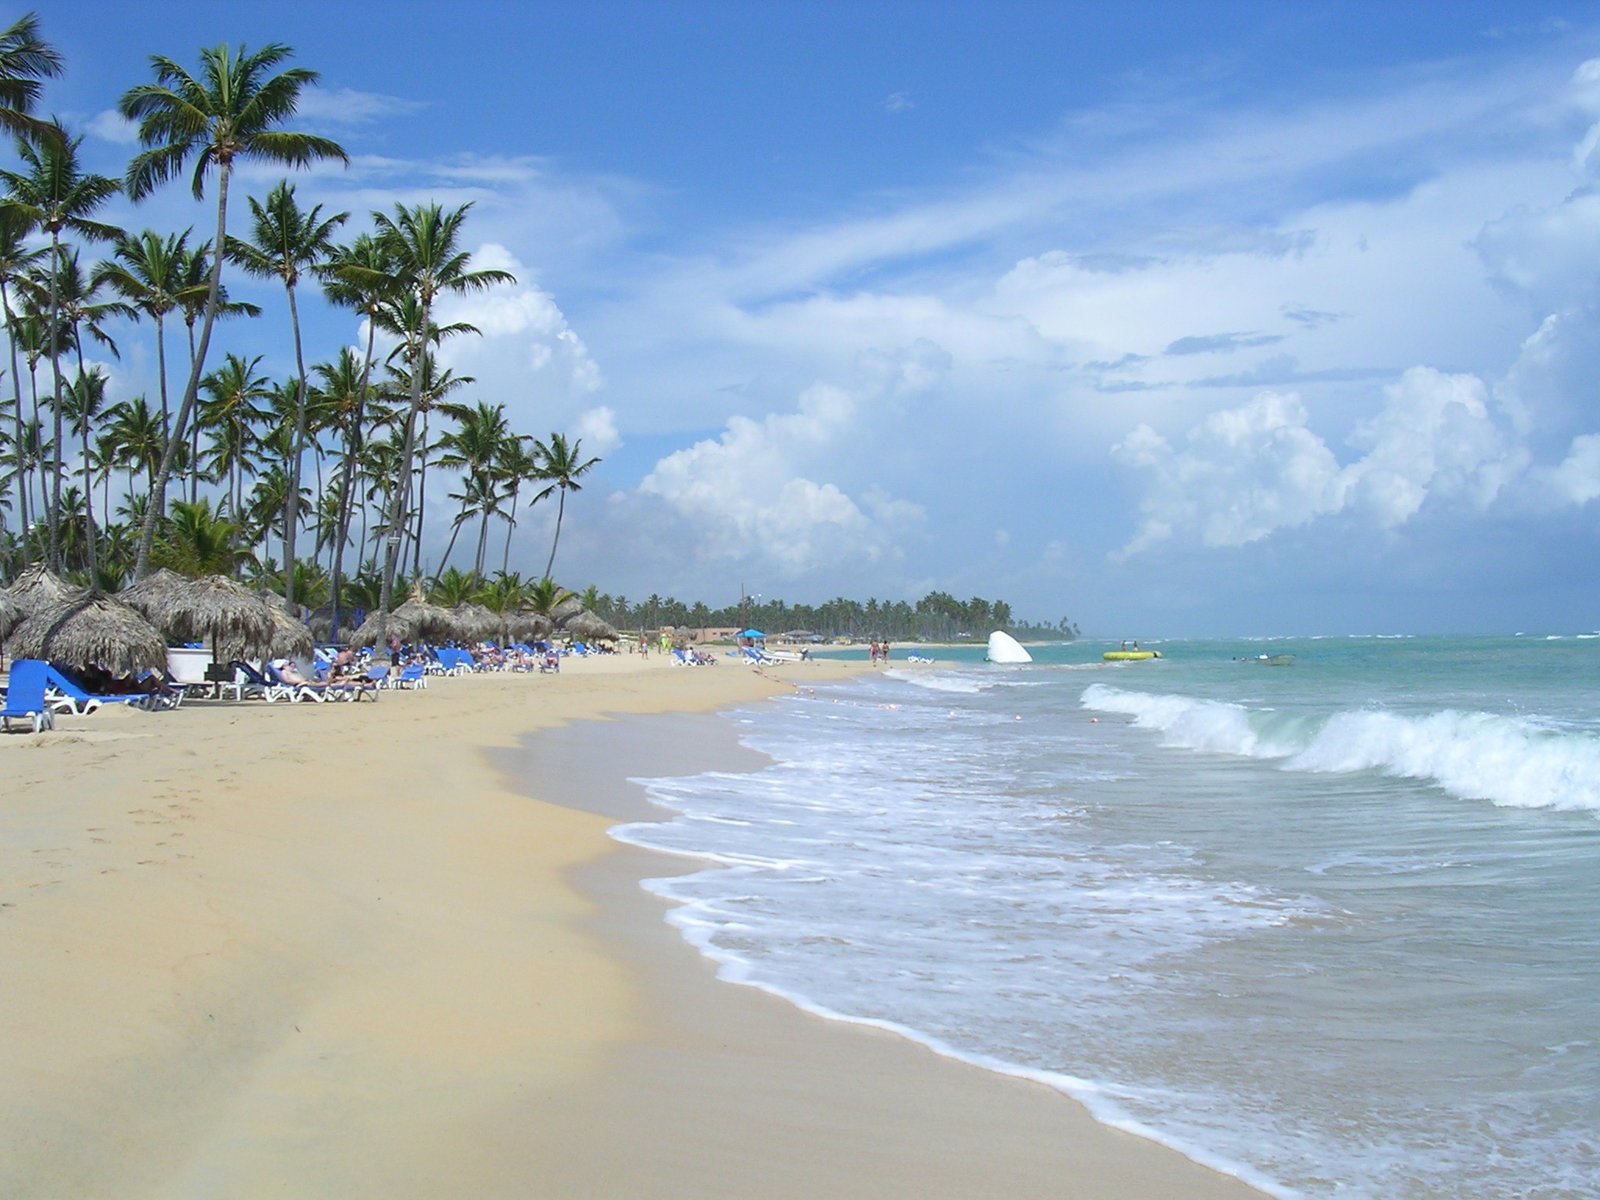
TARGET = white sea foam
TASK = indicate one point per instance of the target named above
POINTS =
(1509, 761)
(966, 683)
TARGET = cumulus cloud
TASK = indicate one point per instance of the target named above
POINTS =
(112, 126)
(346, 106)
(751, 491)
(1246, 472)
(598, 430)
(528, 354)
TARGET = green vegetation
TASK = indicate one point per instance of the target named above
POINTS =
(322, 469)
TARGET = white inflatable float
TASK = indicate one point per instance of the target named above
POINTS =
(1003, 648)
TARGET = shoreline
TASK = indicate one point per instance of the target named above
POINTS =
(327, 949)
(963, 1128)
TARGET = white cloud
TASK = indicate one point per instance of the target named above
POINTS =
(1247, 472)
(899, 102)
(112, 126)
(597, 429)
(346, 106)
(750, 493)
(1577, 479)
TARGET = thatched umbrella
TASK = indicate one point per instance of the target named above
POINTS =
(416, 618)
(591, 628)
(154, 590)
(531, 625)
(91, 630)
(566, 610)
(217, 609)
(477, 622)
(291, 637)
(10, 614)
(39, 588)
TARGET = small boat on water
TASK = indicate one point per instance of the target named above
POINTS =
(1272, 660)
(1130, 655)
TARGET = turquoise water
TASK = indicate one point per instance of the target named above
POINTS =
(1334, 926)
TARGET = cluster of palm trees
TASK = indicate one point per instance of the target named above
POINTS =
(341, 450)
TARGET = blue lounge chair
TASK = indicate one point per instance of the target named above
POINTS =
(413, 676)
(25, 695)
(74, 698)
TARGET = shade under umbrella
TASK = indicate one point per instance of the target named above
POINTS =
(91, 630)
(591, 628)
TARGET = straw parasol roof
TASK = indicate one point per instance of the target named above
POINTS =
(218, 610)
(91, 630)
(152, 591)
(290, 637)
(528, 624)
(566, 610)
(10, 614)
(476, 621)
(591, 628)
(38, 588)
(416, 618)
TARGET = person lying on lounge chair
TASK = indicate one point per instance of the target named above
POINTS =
(289, 671)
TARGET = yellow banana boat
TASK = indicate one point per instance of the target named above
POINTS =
(1130, 655)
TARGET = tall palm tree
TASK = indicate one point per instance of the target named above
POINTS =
(59, 196)
(85, 398)
(562, 465)
(285, 242)
(515, 464)
(26, 60)
(194, 296)
(17, 259)
(137, 439)
(424, 243)
(358, 277)
(233, 111)
(230, 413)
(475, 447)
(148, 272)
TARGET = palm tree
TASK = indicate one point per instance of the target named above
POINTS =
(515, 464)
(287, 241)
(196, 541)
(57, 196)
(230, 413)
(17, 258)
(233, 111)
(25, 60)
(85, 399)
(475, 447)
(148, 272)
(136, 438)
(561, 465)
(424, 244)
(194, 295)
(358, 277)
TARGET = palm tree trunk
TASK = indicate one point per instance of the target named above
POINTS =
(422, 490)
(158, 493)
(351, 456)
(511, 523)
(88, 484)
(398, 496)
(161, 365)
(561, 508)
(16, 392)
(455, 532)
(291, 503)
(54, 508)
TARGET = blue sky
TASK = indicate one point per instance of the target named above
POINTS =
(1175, 319)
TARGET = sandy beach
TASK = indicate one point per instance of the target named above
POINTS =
(389, 950)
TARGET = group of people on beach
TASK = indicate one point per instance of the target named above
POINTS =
(879, 652)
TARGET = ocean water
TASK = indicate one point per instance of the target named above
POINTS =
(1333, 927)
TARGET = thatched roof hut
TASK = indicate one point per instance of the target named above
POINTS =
(39, 588)
(590, 628)
(476, 622)
(531, 625)
(566, 610)
(218, 610)
(155, 589)
(10, 614)
(416, 618)
(91, 629)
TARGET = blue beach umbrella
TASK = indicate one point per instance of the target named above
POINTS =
(753, 633)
